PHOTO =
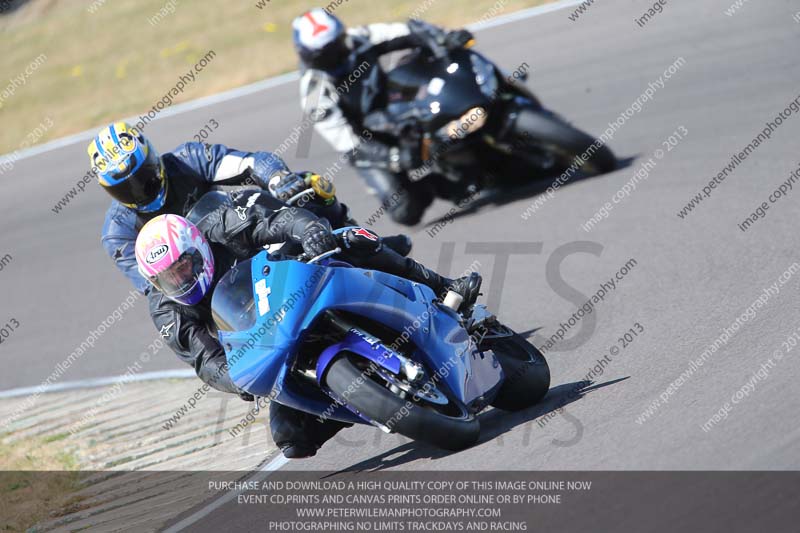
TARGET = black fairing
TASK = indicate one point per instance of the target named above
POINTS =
(408, 89)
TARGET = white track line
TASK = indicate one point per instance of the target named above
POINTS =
(259, 86)
(99, 382)
(262, 474)
(522, 14)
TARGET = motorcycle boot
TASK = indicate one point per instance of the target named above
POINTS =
(299, 434)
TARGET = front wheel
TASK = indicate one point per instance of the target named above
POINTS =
(428, 416)
(527, 375)
(563, 143)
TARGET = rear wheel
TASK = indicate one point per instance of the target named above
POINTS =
(527, 375)
(563, 143)
(418, 412)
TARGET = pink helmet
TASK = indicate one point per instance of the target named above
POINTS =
(174, 257)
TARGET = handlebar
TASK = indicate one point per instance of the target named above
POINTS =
(299, 195)
(320, 257)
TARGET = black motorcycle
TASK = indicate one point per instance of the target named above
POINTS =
(474, 126)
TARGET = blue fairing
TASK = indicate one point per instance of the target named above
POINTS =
(292, 295)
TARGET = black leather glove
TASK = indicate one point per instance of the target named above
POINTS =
(317, 239)
(457, 39)
(403, 157)
(284, 185)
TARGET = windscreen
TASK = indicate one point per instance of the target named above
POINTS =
(233, 304)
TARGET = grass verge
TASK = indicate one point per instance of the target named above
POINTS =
(80, 64)
(38, 480)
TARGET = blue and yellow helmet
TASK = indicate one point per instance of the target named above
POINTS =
(128, 167)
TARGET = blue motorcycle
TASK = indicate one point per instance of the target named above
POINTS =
(363, 346)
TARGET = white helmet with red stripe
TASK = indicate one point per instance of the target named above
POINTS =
(320, 39)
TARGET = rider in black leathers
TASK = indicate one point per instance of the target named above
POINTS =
(337, 62)
(237, 232)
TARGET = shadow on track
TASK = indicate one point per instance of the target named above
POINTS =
(405, 453)
(494, 423)
(528, 333)
(499, 197)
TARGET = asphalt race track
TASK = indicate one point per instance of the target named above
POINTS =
(691, 278)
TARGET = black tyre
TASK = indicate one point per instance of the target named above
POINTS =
(548, 132)
(450, 427)
(526, 371)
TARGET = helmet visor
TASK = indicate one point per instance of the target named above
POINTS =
(182, 275)
(332, 57)
(143, 185)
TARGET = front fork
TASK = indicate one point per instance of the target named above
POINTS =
(370, 348)
(378, 353)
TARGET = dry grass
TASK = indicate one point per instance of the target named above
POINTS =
(112, 63)
(37, 479)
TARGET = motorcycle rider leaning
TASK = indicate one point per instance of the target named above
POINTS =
(145, 185)
(332, 57)
(184, 262)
